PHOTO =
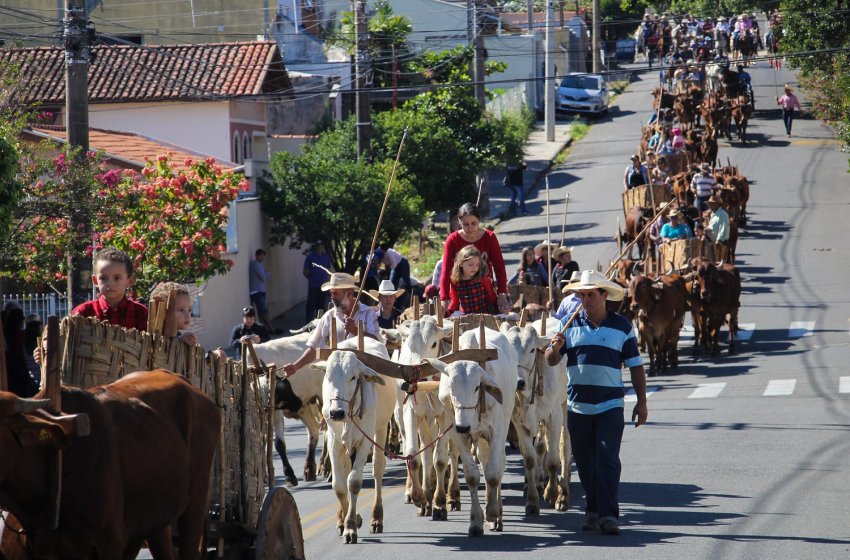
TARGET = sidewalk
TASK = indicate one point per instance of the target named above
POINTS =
(539, 156)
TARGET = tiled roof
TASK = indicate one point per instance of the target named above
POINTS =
(122, 73)
(126, 149)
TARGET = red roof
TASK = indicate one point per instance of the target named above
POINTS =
(122, 73)
(130, 149)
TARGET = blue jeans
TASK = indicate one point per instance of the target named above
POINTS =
(518, 195)
(788, 119)
(595, 440)
(258, 300)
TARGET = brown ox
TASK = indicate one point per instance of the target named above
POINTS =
(682, 188)
(741, 112)
(742, 185)
(144, 466)
(709, 149)
(663, 98)
(718, 289)
(660, 306)
(636, 219)
(685, 111)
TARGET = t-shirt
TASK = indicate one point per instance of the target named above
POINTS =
(317, 276)
(680, 231)
(491, 255)
(128, 313)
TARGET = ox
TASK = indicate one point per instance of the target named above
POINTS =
(719, 293)
(742, 111)
(636, 220)
(144, 467)
(298, 396)
(419, 414)
(660, 306)
(482, 400)
(538, 407)
(357, 405)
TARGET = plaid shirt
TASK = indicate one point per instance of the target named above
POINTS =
(128, 314)
(473, 296)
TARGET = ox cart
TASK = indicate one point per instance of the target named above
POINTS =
(675, 255)
(248, 515)
(641, 196)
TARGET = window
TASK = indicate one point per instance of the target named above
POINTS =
(237, 148)
(246, 146)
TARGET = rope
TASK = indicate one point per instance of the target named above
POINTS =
(380, 220)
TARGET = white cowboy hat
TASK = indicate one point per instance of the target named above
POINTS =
(572, 283)
(591, 280)
(386, 288)
(546, 244)
(340, 281)
(561, 250)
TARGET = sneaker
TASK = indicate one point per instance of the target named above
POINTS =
(591, 522)
(609, 527)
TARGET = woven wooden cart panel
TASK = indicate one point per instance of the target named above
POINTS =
(676, 254)
(533, 294)
(96, 353)
(639, 196)
(471, 321)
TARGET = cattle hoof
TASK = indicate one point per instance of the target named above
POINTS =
(496, 526)
(439, 514)
(359, 521)
(377, 527)
(532, 509)
(351, 538)
(427, 511)
(291, 480)
(476, 531)
(454, 506)
(310, 476)
(561, 505)
(339, 530)
(408, 499)
(422, 512)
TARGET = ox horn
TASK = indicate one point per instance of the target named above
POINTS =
(29, 405)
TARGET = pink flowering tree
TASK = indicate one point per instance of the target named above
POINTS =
(170, 219)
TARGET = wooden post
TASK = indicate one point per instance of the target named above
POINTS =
(50, 369)
(456, 337)
(523, 317)
(543, 318)
(222, 453)
(333, 333)
(360, 334)
(415, 302)
(169, 327)
(243, 437)
(482, 340)
(439, 305)
(4, 379)
(270, 427)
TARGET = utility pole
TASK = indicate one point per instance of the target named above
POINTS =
(479, 57)
(597, 67)
(549, 79)
(78, 38)
(361, 65)
(530, 10)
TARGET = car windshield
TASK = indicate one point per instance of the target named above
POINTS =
(581, 82)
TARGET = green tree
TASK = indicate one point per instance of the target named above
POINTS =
(10, 188)
(327, 193)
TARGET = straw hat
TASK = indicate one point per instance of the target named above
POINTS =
(386, 288)
(591, 280)
(713, 198)
(572, 283)
(561, 250)
(675, 213)
(340, 281)
(546, 244)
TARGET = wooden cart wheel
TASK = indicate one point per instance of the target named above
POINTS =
(279, 534)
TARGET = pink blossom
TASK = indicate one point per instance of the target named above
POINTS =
(187, 246)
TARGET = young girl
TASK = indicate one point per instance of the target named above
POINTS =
(470, 290)
(529, 271)
(183, 311)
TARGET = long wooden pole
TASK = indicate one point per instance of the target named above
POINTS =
(548, 241)
(564, 223)
(380, 220)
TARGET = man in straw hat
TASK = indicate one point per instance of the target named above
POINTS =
(543, 252)
(717, 230)
(386, 296)
(597, 344)
(703, 185)
(348, 313)
(566, 266)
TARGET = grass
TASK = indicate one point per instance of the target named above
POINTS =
(422, 262)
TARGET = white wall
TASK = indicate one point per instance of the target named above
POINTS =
(222, 298)
(202, 127)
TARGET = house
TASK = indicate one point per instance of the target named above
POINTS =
(213, 100)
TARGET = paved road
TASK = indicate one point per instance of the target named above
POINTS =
(746, 456)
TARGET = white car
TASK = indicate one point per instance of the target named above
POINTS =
(583, 93)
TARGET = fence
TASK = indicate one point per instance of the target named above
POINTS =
(511, 101)
(42, 305)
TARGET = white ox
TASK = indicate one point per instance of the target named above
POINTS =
(540, 395)
(482, 401)
(419, 414)
(357, 405)
(306, 386)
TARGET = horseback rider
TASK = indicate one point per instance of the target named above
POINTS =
(745, 84)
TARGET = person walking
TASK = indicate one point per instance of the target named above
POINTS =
(514, 181)
(257, 277)
(788, 102)
(597, 344)
(316, 267)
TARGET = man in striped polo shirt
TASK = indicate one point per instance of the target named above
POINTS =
(597, 344)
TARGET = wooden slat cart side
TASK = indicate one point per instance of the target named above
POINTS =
(675, 255)
(640, 196)
(248, 517)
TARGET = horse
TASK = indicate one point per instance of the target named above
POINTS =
(640, 44)
(744, 47)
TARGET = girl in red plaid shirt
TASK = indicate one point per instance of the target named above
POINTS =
(470, 290)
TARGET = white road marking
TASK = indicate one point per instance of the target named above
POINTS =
(707, 391)
(745, 331)
(799, 329)
(780, 387)
(844, 385)
(631, 396)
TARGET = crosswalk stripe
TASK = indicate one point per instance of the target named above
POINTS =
(707, 391)
(799, 329)
(780, 387)
(745, 331)
(631, 396)
(844, 385)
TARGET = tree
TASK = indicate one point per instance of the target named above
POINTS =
(326, 193)
(10, 188)
(170, 221)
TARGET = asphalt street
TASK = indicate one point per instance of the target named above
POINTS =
(745, 456)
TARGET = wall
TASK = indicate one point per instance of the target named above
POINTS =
(202, 127)
(222, 298)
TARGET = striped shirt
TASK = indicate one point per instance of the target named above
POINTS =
(703, 185)
(595, 357)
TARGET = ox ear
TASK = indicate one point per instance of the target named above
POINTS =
(543, 342)
(494, 391)
(372, 377)
(404, 328)
(319, 366)
(36, 432)
(446, 332)
(392, 335)
(437, 364)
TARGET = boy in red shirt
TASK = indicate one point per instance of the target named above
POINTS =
(113, 274)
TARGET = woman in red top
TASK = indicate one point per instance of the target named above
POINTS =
(469, 288)
(487, 244)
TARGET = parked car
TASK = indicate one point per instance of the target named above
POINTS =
(583, 93)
